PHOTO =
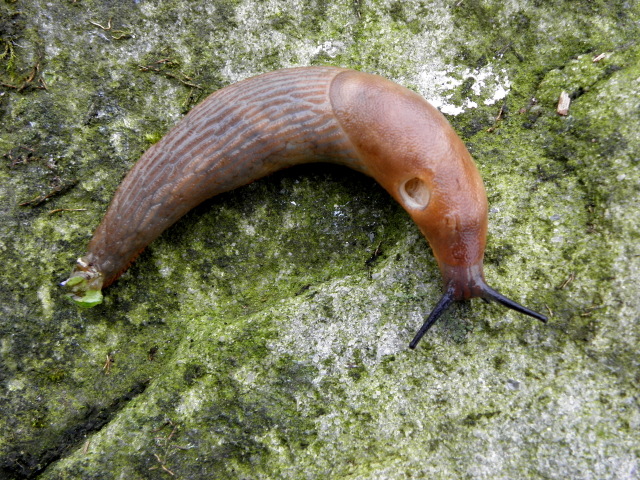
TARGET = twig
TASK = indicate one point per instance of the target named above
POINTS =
(589, 310)
(184, 79)
(567, 281)
(43, 198)
(115, 34)
(106, 29)
(58, 210)
(497, 119)
(162, 465)
(108, 363)
(35, 70)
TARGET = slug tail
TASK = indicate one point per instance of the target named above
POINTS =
(84, 286)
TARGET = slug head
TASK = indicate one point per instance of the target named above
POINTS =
(412, 151)
(463, 283)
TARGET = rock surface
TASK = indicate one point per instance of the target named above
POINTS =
(265, 335)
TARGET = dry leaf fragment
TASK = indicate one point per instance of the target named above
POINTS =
(563, 104)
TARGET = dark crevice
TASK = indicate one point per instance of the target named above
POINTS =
(21, 464)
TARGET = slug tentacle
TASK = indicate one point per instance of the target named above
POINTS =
(455, 291)
(250, 129)
(489, 293)
(443, 304)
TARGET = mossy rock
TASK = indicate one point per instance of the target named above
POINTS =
(265, 335)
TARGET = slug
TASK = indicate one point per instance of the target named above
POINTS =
(292, 116)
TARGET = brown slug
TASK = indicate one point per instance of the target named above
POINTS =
(311, 114)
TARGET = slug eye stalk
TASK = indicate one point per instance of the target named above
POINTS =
(445, 301)
(483, 291)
